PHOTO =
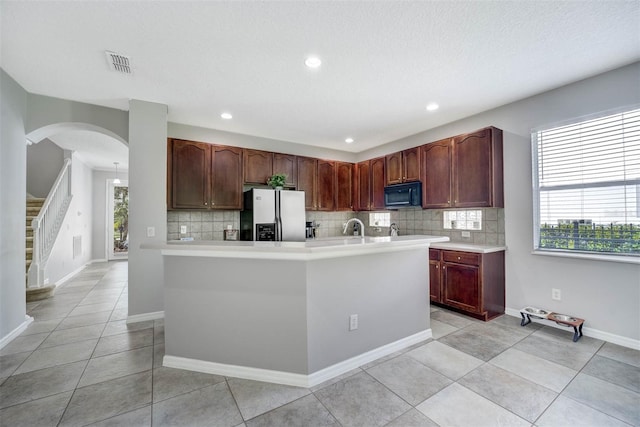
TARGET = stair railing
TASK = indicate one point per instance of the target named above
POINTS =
(48, 223)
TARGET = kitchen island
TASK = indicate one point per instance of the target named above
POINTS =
(296, 313)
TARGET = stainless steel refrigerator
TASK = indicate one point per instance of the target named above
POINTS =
(273, 215)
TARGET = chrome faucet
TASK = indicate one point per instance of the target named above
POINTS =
(393, 230)
(346, 224)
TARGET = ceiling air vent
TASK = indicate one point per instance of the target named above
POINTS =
(119, 63)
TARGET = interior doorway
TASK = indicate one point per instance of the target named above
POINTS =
(117, 220)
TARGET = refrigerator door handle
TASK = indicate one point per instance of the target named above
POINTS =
(278, 216)
(278, 229)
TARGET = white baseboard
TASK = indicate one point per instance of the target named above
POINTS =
(17, 331)
(587, 332)
(93, 261)
(145, 316)
(289, 378)
(69, 276)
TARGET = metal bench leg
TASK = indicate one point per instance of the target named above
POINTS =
(577, 333)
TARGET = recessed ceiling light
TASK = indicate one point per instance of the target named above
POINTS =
(432, 106)
(226, 116)
(312, 62)
(348, 140)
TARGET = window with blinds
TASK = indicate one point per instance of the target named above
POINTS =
(587, 185)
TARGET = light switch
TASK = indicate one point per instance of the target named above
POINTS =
(151, 232)
(183, 229)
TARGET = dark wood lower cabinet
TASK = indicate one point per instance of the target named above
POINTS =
(472, 283)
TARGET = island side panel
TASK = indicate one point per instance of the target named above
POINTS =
(388, 291)
(237, 311)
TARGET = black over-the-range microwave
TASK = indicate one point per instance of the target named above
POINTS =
(403, 195)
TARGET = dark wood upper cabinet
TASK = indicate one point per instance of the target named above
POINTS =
(326, 186)
(363, 186)
(436, 181)
(226, 177)
(307, 180)
(411, 164)
(286, 164)
(477, 168)
(344, 186)
(378, 172)
(393, 163)
(189, 164)
(464, 171)
(258, 166)
(403, 166)
(204, 176)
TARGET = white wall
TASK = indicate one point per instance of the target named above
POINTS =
(44, 162)
(77, 222)
(47, 114)
(13, 152)
(147, 204)
(605, 294)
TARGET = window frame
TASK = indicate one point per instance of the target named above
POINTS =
(572, 253)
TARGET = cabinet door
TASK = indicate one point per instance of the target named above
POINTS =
(435, 282)
(286, 164)
(189, 175)
(226, 177)
(326, 186)
(461, 286)
(377, 182)
(307, 168)
(436, 181)
(258, 166)
(393, 168)
(363, 182)
(472, 170)
(411, 165)
(344, 186)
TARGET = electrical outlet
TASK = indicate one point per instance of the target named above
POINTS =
(151, 232)
(466, 234)
(556, 294)
(353, 322)
(183, 229)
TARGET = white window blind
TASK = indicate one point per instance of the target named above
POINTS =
(587, 185)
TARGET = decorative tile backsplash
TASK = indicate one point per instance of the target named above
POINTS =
(201, 225)
(431, 221)
(210, 225)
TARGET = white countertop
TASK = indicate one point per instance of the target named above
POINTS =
(468, 247)
(309, 250)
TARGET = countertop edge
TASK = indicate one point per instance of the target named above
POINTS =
(300, 251)
(468, 247)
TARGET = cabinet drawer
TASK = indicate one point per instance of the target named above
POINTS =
(468, 258)
(434, 254)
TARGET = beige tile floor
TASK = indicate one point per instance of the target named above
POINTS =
(79, 363)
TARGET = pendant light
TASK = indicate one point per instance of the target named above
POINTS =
(117, 180)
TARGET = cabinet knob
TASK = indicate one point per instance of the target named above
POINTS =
(448, 201)
(444, 268)
(437, 266)
(458, 258)
(205, 203)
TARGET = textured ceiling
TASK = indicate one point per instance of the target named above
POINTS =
(383, 61)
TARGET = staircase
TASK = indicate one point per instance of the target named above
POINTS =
(34, 205)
